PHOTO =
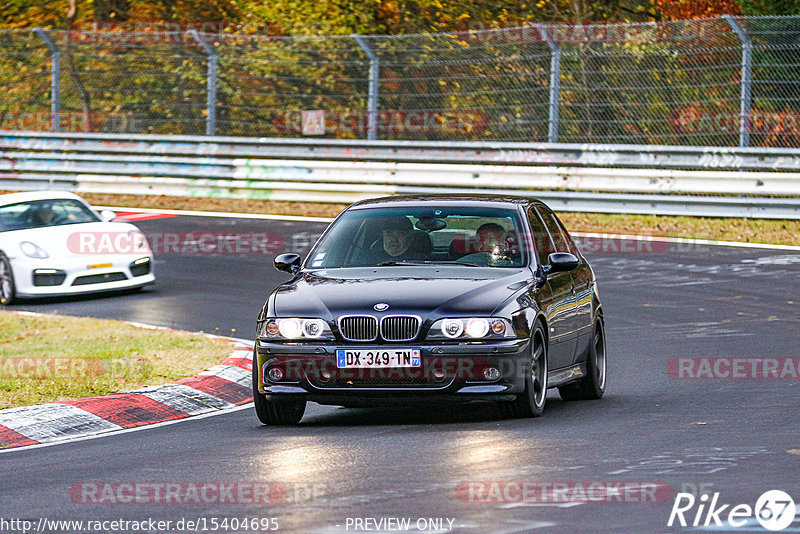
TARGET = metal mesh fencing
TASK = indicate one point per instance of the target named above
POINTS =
(25, 81)
(729, 81)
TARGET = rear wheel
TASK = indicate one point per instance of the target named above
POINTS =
(531, 402)
(593, 385)
(275, 412)
(8, 290)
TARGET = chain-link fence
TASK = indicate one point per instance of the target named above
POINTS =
(730, 81)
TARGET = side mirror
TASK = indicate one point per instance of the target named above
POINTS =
(289, 262)
(560, 262)
(108, 215)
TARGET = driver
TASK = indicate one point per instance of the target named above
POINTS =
(45, 216)
(396, 236)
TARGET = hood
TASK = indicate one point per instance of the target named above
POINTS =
(426, 291)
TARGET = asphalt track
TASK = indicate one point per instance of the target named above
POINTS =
(737, 437)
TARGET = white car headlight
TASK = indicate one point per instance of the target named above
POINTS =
(139, 242)
(32, 250)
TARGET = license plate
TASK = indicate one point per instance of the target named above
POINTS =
(377, 358)
(101, 265)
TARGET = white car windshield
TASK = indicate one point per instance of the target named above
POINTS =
(460, 235)
(42, 213)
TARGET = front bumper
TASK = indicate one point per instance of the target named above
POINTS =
(448, 372)
(80, 275)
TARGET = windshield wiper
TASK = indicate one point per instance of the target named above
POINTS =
(430, 262)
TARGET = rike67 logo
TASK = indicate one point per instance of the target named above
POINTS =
(774, 510)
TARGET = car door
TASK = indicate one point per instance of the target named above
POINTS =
(582, 284)
(555, 297)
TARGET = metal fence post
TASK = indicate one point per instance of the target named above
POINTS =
(55, 79)
(374, 72)
(211, 81)
(555, 85)
(747, 65)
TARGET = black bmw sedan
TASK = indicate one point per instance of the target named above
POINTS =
(429, 299)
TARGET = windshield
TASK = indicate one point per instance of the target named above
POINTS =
(41, 213)
(459, 235)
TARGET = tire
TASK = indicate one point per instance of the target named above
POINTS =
(531, 402)
(8, 289)
(276, 413)
(593, 385)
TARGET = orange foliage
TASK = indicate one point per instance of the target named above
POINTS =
(696, 9)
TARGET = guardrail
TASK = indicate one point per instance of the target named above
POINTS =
(599, 178)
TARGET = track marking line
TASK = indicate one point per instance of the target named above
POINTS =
(221, 214)
(539, 504)
(300, 218)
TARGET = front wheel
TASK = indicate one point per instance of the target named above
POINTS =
(8, 290)
(531, 402)
(593, 385)
(275, 412)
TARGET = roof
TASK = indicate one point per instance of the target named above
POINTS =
(486, 200)
(14, 198)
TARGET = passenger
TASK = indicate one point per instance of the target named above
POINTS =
(491, 238)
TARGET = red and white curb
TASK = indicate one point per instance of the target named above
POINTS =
(221, 387)
(135, 216)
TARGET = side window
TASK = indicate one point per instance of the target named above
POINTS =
(559, 240)
(541, 237)
(573, 247)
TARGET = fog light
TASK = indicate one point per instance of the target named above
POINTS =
(491, 373)
(326, 375)
(438, 374)
(275, 374)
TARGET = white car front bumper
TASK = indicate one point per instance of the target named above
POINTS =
(79, 275)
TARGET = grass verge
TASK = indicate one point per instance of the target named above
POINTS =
(52, 358)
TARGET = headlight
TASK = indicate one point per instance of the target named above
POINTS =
(138, 241)
(467, 328)
(295, 328)
(452, 328)
(32, 250)
(477, 327)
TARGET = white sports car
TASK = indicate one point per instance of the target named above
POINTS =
(52, 243)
